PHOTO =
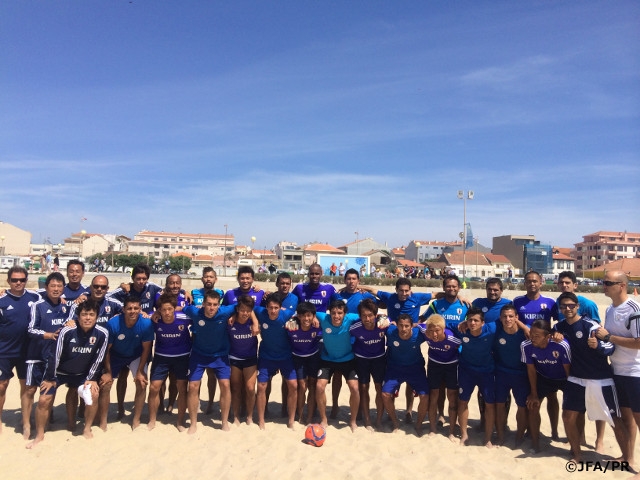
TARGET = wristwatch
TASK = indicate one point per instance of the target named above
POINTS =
(607, 337)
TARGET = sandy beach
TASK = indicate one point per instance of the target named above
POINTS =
(245, 452)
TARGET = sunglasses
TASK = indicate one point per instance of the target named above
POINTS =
(568, 306)
(100, 287)
(18, 280)
(608, 283)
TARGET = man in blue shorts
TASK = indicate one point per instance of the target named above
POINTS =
(275, 355)
(76, 362)
(210, 350)
(15, 313)
(130, 340)
(589, 374)
(337, 356)
(548, 364)
(442, 370)
(171, 356)
(369, 348)
(405, 363)
(511, 373)
(48, 317)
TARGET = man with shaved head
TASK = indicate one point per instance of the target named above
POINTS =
(622, 328)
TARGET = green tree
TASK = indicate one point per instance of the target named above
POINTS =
(180, 263)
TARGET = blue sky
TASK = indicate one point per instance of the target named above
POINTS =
(309, 121)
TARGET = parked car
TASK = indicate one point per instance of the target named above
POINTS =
(476, 279)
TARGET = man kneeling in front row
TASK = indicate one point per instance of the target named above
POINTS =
(76, 362)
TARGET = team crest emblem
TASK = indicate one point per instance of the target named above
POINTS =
(447, 347)
(313, 335)
(381, 334)
(324, 294)
(396, 344)
(556, 354)
(485, 309)
(465, 339)
(265, 326)
(64, 309)
(578, 334)
(92, 340)
(459, 311)
(121, 336)
(148, 295)
(107, 309)
(201, 323)
(327, 330)
(543, 306)
(181, 327)
(502, 341)
(397, 306)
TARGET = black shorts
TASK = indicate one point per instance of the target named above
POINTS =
(368, 368)
(307, 366)
(439, 373)
(547, 386)
(243, 363)
(348, 369)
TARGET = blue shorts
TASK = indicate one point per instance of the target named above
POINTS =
(268, 368)
(307, 366)
(162, 366)
(469, 379)
(118, 363)
(518, 383)
(368, 368)
(71, 381)
(199, 363)
(628, 389)
(573, 398)
(243, 363)
(547, 386)
(439, 373)
(414, 375)
(348, 369)
(35, 373)
(8, 364)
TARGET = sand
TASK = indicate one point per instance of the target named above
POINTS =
(277, 452)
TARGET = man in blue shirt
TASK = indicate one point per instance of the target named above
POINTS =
(567, 282)
(15, 313)
(493, 302)
(210, 350)
(76, 362)
(130, 340)
(352, 294)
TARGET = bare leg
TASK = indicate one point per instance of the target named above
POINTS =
(336, 386)
(423, 406)
(121, 390)
(173, 392)
(463, 418)
(27, 406)
(379, 404)
(452, 398)
(570, 420)
(301, 398)
(182, 404)
(3, 395)
(90, 412)
(501, 421)
(225, 402)
(138, 404)
(354, 403)
(321, 400)
(250, 374)
(211, 388)
(434, 401)
(387, 399)
(154, 402)
(261, 403)
(236, 390)
(534, 427)
(193, 402)
(71, 403)
(45, 402)
(521, 424)
(490, 420)
(311, 398)
(103, 401)
(292, 386)
(553, 410)
(364, 404)
(600, 429)
(409, 396)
